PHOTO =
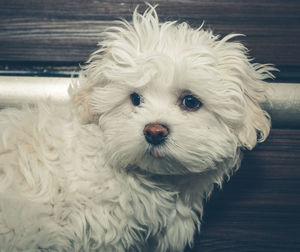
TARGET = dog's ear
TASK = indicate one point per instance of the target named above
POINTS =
(256, 125)
(81, 106)
(250, 79)
(81, 93)
(257, 122)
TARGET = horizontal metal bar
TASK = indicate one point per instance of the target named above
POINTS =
(16, 90)
(40, 73)
(284, 107)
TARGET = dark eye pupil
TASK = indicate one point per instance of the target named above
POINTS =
(135, 99)
(191, 102)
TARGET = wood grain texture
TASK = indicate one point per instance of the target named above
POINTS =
(68, 31)
(259, 208)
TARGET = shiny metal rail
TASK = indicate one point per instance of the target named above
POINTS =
(284, 107)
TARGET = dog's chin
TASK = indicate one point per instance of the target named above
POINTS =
(159, 161)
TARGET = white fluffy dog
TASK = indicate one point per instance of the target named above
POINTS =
(160, 115)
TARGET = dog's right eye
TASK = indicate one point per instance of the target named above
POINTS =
(135, 99)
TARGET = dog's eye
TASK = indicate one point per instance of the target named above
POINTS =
(135, 99)
(190, 103)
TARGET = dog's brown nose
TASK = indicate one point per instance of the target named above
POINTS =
(155, 133)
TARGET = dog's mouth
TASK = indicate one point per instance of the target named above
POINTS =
(154, 152)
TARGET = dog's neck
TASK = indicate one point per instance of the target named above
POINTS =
(190, 188)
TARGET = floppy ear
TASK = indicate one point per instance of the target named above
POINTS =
(81, 106)
(237, 68)
(256, 126)
(257, 122)
(80, 100)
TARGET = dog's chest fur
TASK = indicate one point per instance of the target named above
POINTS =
(66, 195)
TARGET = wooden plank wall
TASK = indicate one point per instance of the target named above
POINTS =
(259, 209)
(64, 32)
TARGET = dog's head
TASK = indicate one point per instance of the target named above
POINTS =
(172, 99)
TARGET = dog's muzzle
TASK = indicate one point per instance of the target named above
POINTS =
(156, 133)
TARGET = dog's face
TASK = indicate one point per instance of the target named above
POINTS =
(172, 100)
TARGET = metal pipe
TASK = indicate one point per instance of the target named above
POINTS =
(284, 106)
(18, 90)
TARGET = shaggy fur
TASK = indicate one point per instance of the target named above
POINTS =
(83, 177)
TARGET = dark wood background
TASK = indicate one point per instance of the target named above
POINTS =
(259, 209)
(58, 34)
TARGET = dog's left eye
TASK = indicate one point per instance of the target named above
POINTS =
(135, 99)
(190, 103)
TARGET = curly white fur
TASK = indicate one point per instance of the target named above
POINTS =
(81, 178)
